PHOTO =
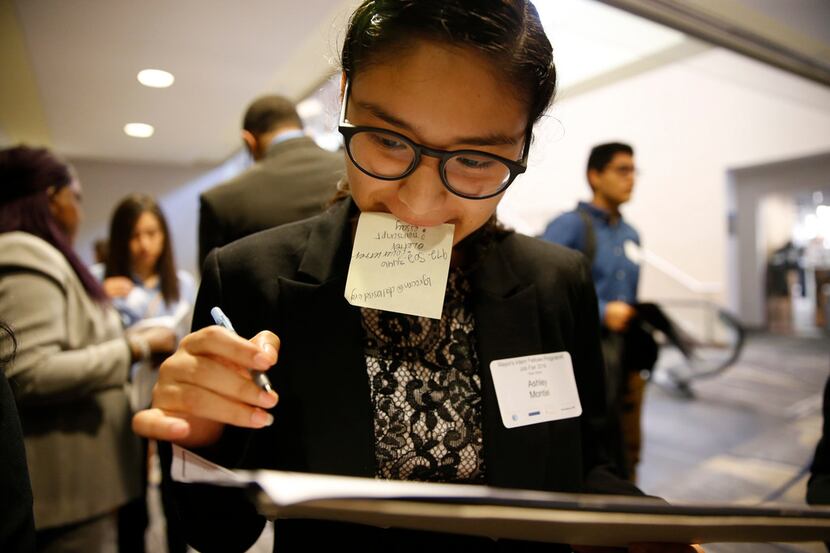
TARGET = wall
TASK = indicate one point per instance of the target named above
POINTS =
(777, 217)
(177, 187)
(690, 123)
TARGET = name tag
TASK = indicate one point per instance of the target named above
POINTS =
(535, 388)
(633, 252)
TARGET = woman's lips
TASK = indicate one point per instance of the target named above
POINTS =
(420, 221)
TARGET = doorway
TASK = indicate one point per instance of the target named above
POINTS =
(779, 235)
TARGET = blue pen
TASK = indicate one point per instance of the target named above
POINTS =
(259, 377)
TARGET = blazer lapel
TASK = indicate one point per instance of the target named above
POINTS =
(507, 324)
(329, 369)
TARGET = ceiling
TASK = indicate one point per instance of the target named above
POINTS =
(74, 65)
(83, 57)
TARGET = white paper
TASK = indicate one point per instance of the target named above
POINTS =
(189, 467)
(535, 388)
(289, 488)
(458, 508)
(399, 267)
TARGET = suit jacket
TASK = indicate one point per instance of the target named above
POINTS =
(529, 297)
(69, 378)
(294, 181)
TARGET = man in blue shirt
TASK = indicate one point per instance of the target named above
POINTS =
(612, 245)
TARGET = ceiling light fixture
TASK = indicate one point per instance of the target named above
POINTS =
(155, 78)
(139, 130)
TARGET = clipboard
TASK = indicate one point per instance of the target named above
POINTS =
(509, 514)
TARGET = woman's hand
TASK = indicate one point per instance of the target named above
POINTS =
(206, 385)
(160, 338)
(641, 548)
(118, 286)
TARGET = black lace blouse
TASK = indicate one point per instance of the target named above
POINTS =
(426, 391)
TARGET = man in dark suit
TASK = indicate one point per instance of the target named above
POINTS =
(292, 178)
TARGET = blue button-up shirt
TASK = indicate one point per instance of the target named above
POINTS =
(615, 275)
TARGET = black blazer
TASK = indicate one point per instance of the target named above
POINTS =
(530, 297)
(294, 181)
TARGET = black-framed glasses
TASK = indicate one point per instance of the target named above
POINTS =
(388, 155)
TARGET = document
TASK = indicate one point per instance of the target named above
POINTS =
(399, 267)
(501, 513)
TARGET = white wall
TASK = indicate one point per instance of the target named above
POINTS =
(176, 187)
(777, 216)
(689, 122)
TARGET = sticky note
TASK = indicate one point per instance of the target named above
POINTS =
(399, 267)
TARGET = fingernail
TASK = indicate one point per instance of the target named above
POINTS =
(267, 399)
(178, 427)
(261, 418)
(262, 360)
(269, 349)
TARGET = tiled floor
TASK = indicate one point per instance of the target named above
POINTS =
(746, 437)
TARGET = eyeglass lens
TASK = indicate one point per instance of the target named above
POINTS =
(386, 155)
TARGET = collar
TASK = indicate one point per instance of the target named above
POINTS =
(286, 135)
(598, 212)
(329, 250)
(286, 139)
(329, 243)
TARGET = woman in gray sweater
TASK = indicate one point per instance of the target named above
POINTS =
(70, 374)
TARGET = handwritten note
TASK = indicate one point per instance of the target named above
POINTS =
(399, 267)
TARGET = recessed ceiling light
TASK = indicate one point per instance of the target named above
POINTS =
(155, 78)
(139, 130)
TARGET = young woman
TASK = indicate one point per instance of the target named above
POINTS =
(440, 98)
(140, 277)
(70, 372)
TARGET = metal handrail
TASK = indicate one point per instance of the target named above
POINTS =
(694, 366)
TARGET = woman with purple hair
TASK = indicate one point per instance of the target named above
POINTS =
(69, 376)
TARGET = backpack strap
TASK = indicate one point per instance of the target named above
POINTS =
(590, 248)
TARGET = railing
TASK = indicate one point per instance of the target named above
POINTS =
(715, 337)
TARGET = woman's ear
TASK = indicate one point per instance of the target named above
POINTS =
(343, 79)
(50, 193)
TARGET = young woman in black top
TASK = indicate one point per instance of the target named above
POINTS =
(440, 98)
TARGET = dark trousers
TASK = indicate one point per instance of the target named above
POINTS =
(98, 534)
(133, 518)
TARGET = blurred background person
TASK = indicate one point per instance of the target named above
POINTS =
(599, 230)
(69, 376)
(140, 277)
(293, 178)
(139, 273)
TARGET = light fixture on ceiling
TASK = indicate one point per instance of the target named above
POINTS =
(155, 78)
(139, 130)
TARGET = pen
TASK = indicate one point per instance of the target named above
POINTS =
(260, 378)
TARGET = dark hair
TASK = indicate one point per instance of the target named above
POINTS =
(27, 176)
(122, 225)
(269, 112)
(602, 155)
(508, 32)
